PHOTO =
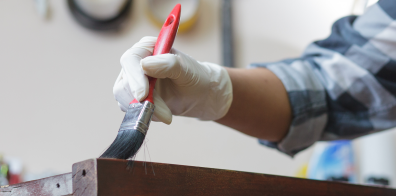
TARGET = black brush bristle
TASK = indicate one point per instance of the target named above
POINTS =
(126, 145)
(132, 132)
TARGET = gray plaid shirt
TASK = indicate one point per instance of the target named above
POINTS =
(344, 86)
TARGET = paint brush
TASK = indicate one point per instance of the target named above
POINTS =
(137, 119)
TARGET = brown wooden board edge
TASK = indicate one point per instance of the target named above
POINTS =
(112, 177)
(85, 181)
(170, 179)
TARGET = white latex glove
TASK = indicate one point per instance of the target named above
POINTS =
(185, 87)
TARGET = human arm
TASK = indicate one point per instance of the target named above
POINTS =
(341, 88)
(344, 86)
(260, 106)
(206, 91)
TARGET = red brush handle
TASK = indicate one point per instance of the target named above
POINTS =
(164, 44)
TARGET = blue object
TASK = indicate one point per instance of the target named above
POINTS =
(334, 162)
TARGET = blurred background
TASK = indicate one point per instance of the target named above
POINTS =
(58, 70)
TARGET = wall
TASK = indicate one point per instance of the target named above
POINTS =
(56, 82)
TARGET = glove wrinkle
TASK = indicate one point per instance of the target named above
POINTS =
(161, 66)
(185, 86)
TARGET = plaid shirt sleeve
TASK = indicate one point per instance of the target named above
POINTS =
(344, 86)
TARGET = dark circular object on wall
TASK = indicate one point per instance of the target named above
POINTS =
(89, 22)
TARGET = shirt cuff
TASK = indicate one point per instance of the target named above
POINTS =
(308, 103)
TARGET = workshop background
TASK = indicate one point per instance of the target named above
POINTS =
(56, 79)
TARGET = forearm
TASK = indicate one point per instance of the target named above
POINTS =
(260, 106)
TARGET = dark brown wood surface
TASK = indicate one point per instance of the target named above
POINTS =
(114, 178)
(55, 185)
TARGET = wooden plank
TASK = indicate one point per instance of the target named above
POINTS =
(114, 178)
(54, 185)
(85, 178)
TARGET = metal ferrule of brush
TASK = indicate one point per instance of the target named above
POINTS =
(138, 117)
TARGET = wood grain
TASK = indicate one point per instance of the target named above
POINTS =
(55, 185)
(85, 178)
(105, 177)
(114, 178)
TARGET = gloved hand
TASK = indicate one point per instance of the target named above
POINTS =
(185, 87)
